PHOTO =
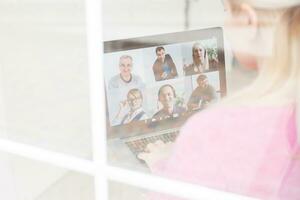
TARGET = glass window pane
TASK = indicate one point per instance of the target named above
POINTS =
(23, 179)
(124, 19)
(132, 20)
(71, 186)
(44, 75)
(120, 191)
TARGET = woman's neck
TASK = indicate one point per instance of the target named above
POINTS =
(197, 62)
(169, 110)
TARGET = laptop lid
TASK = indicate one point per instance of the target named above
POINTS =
(156, 83)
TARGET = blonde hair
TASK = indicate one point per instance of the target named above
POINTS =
(265, 15)
(279, 74)
(135, 93)
(278, 82)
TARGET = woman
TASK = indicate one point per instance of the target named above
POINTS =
(200, 61)
(134, 102)
(249, 144)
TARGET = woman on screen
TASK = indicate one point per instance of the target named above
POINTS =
(249, 143)
(134, 102)
(200, 61)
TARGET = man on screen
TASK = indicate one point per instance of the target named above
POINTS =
(167, 97)
(163, 67)
(203, 95)
(125, 80)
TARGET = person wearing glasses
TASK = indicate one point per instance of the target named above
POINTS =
(134, 104)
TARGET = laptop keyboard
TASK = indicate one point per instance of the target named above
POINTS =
(139, 145)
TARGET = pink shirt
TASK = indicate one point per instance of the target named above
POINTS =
(247, 150)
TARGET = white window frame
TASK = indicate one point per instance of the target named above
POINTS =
(98, 167)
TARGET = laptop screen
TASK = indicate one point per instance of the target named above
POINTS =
(156, 83)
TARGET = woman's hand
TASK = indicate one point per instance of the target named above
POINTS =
(155, 152)
(122, 107)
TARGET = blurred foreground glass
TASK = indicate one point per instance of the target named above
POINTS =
(120, 191)
(23, 179)
(44, 92)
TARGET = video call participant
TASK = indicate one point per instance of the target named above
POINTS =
(163, 67)
(203, 95)
(134, 102)
(200, 61)
(125, 79)
(166, 96)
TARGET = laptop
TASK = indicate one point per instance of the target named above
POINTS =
(154, 84)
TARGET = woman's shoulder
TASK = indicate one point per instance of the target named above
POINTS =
(246, 111)
(189, 67)
(223, 118)
(216, 141)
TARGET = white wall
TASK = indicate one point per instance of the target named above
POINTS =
(132, 18)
